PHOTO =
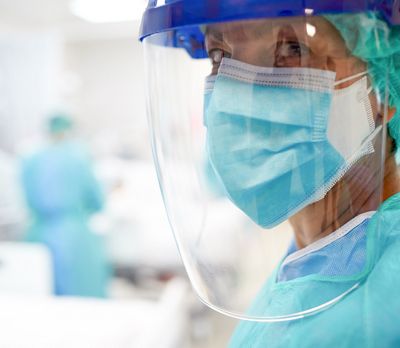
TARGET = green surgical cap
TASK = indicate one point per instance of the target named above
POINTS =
(59, 123)
(377, 43)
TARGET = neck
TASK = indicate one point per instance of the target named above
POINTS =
(391, 183)
(352, 196)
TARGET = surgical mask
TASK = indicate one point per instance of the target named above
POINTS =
(280, 138)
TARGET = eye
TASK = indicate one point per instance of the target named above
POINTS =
(290, 53)
(292, 49)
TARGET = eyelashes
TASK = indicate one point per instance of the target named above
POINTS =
(291, 49)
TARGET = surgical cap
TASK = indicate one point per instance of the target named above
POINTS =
(374, 41)
(59, 123)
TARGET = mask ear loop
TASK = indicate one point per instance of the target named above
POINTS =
(350, 78)
(369, 90)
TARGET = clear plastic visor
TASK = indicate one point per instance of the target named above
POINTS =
(270, 157)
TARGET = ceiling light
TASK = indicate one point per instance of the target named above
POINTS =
(103, 11)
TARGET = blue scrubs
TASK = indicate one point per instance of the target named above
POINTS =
(62, 193)
(368, 255)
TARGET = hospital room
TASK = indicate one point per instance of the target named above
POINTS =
(199, 174)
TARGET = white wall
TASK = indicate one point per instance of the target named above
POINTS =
(29, 70)
(109, 98)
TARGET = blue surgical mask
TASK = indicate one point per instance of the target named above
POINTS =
(276, 139)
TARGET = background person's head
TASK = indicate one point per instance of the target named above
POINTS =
(59, 126)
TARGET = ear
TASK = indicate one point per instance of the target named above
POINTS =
(391, 113)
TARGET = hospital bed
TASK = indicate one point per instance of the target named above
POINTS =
(31, 318)
(40, 322)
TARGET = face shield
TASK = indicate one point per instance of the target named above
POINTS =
(270, 139)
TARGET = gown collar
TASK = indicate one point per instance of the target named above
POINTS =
(342, 252)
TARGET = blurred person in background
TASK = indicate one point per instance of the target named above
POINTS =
(62, 193)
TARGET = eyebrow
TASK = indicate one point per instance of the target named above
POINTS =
(214, 33)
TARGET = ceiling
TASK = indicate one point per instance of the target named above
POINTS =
(55, 15)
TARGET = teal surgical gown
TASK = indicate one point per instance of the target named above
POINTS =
(369, 316)
(62, 193)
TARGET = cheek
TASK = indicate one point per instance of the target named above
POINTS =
(253, 53)
(345, 67)
(317, 62)
(377, 109)
(374, 104)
